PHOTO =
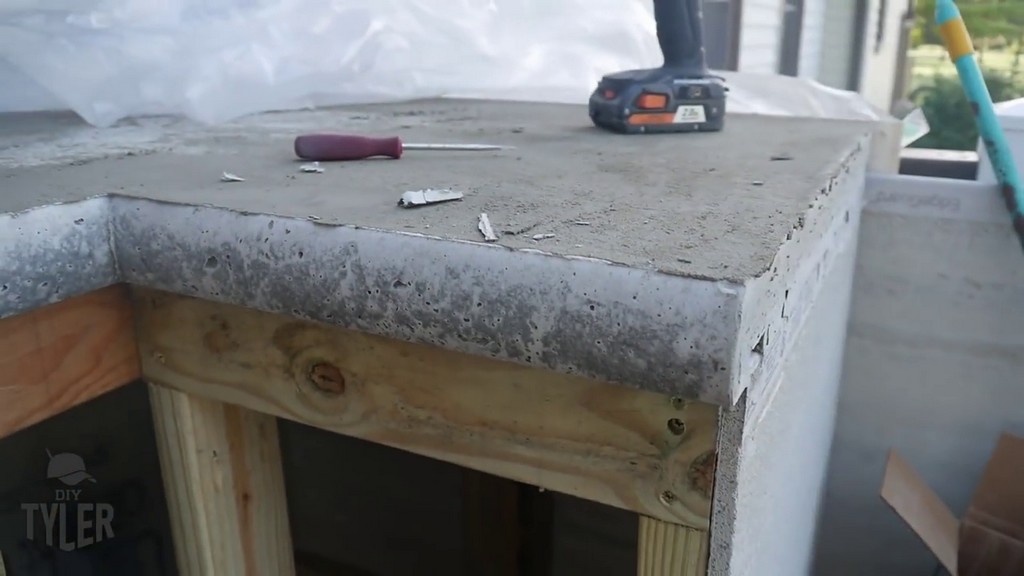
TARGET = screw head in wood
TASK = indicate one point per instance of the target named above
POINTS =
(667, 497)
(676, 426)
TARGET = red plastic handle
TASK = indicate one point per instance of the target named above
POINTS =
(328, 147)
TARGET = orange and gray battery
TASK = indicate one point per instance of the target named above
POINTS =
(680, 96)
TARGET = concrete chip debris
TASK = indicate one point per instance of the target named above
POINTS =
(543, 236)
(312, 168)
(229, 177)
(484, 225)
(415, 198)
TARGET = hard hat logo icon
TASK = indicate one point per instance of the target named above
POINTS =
(68, 468)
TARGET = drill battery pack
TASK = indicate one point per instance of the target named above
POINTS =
(657, 101)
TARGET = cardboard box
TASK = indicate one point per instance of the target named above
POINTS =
(989, 540)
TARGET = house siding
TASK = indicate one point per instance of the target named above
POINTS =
(878, 74)
(812, 37)
(760, 36)
(837, 47)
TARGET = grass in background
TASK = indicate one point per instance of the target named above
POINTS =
(930, 60)
(997, 29)
(936, 88)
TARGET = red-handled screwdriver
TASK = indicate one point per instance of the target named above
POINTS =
(329, 147)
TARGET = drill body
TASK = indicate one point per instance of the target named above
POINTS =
(680, 96)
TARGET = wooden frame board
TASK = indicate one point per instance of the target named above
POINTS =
(225, 486)
(57, 357)
(627, 448)
(222, 372)
(671, 550)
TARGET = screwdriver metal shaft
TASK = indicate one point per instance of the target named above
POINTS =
(331, 147)
(469, 147)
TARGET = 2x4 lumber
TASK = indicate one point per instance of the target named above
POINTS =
(626, 448)
(59, 356)
(225, 486)
(671, 550)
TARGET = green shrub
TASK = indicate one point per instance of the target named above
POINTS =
(916, 37)
(951, 121)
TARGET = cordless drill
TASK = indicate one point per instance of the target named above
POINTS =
(678, 97)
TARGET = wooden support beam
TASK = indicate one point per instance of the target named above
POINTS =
(225, 487)
(610, 444)
(671, 550)
(57, 357)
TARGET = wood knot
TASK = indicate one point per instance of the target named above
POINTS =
(327, 378)
(701, 474)
(219, 339)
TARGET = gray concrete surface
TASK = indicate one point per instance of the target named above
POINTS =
(786, 445)
(713, 206)
(697, 274)
(933, 364)
(677, 225)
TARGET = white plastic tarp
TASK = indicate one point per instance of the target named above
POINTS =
(216, 60)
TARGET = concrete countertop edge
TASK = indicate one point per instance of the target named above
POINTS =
(54, 252)
(635, 327)
(776, 301)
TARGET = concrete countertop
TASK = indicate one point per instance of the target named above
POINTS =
(655, 237)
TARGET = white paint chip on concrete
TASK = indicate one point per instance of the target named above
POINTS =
(543, 236)
(428, 196)
(312, 168)
(484, 225)
(229, 177)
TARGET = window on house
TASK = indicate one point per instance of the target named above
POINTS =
(721, 33)
(883, 8)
